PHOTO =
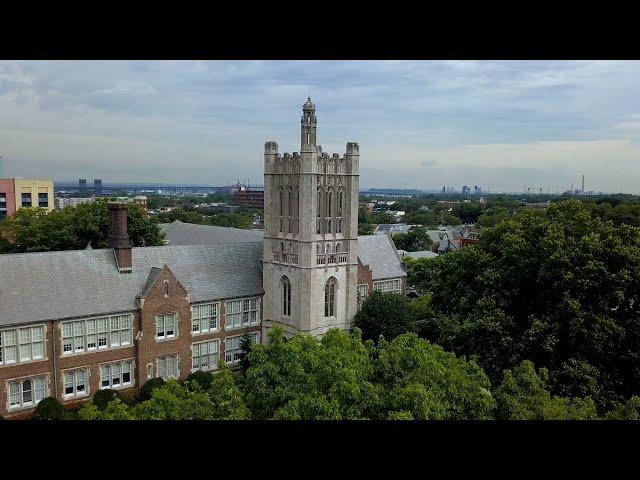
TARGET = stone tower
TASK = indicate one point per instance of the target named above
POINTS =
(310, 234)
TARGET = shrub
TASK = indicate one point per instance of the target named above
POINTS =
(203, 379)
(103, 397)
(150, 386)
(49, 409)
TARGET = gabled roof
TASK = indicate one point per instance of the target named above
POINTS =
(76, 283)
(180, 233)
(379, 252)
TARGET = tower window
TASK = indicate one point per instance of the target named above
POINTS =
(286, 297)
(330, 298)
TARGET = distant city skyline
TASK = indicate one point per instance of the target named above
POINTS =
(504, 125)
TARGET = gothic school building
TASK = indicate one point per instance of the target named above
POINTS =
(74, 322)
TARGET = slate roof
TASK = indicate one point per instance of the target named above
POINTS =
(379, 252)
(420, 254)
(180, 233)
(75, 283)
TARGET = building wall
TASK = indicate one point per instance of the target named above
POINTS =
(7, 186)
(34, 187)
(143, 351)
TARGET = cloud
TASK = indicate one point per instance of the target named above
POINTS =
(497, 123)
(429, 163)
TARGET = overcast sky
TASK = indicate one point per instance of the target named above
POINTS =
(420, 124)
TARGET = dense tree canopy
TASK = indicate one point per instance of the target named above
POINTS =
(560, 288)
(35, 230)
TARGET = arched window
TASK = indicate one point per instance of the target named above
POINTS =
(329, 203)
(286, 296)
(319, 201)
(327, 248)
(340, 202)
(330, 298)
(166, 288)
(282, 246)
(281, 202)
(338, 248)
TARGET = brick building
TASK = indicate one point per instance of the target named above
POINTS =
(74, 322)
(248, 197)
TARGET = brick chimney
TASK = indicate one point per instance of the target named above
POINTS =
(118, 237)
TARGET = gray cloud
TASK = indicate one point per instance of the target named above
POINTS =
(502, 124)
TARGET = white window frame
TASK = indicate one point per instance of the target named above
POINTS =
(197, 353)
(238, 313)
(74, 382)
(96, 333)
(362, 292)
(391, 285)
(198, 319)
(20, 340)
(232, 355)
(161, 319)
(107, 370)
(163, 358)
(19, 383)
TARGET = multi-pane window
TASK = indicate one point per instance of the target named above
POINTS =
(22, 344)
(330, 298)
(96, 334)
(166, 326)
(362, 293)
(26, 200)
(204, 318)
(387, 286)
(242, 313)
(116, 375)
(205, 355)
(75, 382)
(27, 392)
(167, 366)
(233, 348)
(43, 200)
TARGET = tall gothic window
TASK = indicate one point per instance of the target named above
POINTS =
(340, 202)
(290, 209)
(286, 296)
(330, 298)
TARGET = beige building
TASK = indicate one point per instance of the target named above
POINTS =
(33, 193)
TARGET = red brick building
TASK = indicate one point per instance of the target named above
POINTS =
(246, 197)
(74, 322)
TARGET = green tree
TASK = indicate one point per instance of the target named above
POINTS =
(113, 410)
(558, 287)
(226, 397)
(49, 409)
(172, 402)
(523, 396)
(429, 383)
(383, 314)
(36, 230)
(306, 378)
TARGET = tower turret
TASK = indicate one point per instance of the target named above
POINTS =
(308, 126)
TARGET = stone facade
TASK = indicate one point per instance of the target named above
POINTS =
(311, 234)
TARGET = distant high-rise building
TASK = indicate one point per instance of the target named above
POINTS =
(82, 185)
(97, 187)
